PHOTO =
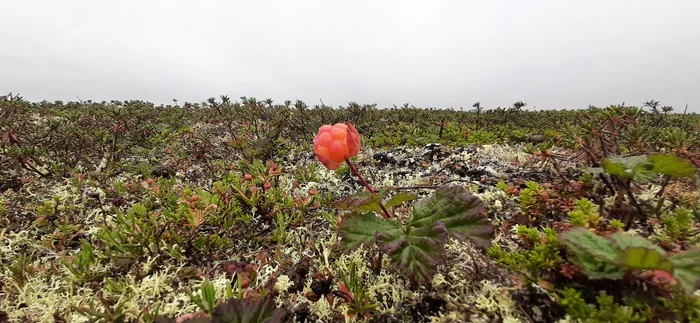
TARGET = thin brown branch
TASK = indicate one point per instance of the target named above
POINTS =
(369, 187)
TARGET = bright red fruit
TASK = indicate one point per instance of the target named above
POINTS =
(334, 144)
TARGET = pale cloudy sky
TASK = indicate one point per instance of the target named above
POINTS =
(551, 54)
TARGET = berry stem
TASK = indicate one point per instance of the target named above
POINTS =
(369, 187)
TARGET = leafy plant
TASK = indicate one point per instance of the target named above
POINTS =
(206, 300)
(82, 262)
(21, 269)
(607, 309)
(585, 214)
(531, 202)
(416, 247)
(611, 258)
(678, 227)
(355, 293)
(239, 311)
(531, 263)
(643, 168)
(686, 268)
(686, 308)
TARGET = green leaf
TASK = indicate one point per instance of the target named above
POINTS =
(366, 201)
(208, 294)
(686, 269)
(624, 241)
(363, 201)
(594, 254)
(640, 253)
(618, 167)
(637, 168)
(400, 198)
(584, 241)
(595, 268)
(417, 253)
(418, 248)
(603, 258)
(462, 213)
(672, 166)
(363, 228)
(645, 259)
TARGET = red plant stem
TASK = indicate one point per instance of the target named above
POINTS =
(369, 187)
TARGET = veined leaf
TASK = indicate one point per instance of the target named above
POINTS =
(598, 269)
(462, 213)
(418, 247)
(594, 254)
(582, 241)
(363, 228)
(624, 241)
(640, 253)
(672, 166)
(416, 253)
(366, 201)
(603, 258)
(686, 269)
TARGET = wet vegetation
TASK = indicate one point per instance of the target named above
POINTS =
(220, 212)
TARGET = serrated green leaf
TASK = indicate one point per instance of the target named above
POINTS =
(644, 173)
(417, 253)
(594, 254)
(363, 228)
(672, 166)
(686, 269)
(400, 198)
(462, 213)
(417, 249)
(582, 241)
(595, 268)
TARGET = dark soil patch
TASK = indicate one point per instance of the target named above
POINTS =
(429, 305)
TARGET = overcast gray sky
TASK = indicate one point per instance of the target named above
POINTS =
(550, 54)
